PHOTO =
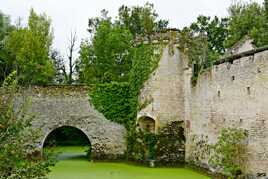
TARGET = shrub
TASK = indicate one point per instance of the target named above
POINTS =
(228, 152)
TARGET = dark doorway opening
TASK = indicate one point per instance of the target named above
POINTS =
(68, 143)
(147, 124)
(66, 136)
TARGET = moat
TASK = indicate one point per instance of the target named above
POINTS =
(73, 163)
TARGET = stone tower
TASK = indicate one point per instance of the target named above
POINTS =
(163, 94)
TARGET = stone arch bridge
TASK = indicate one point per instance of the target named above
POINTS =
(58, 106)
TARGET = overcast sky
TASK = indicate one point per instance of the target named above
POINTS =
(72, 15)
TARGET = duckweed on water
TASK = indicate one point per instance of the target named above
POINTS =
(74, 165)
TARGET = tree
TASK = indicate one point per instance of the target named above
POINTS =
(141, 20)
(71, 49)
(18, 159)
(107, 57)
(29, 47)
(265, 40)
(6, 62)
(216, 31)
(247, 19)
(59, 65)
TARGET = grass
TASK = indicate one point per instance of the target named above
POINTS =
(74, 165)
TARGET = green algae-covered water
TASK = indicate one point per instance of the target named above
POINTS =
(74, 165)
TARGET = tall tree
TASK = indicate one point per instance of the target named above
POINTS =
(265, 40)
(6, 62)
(71, 50)
(246, 19)
(141, 20)
(216, 31)
(107, 58)
(204, 40)
(59, 65)
(30, 48)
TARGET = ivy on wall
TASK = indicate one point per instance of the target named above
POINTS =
(118, 101)
(112, 99)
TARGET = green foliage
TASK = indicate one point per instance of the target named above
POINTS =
(119, 101)
(212, 33)
(61, 76)
(5, 61)
(108, 57)
(145, 61)
(112, 99)
(141, 20)
(229, 150)
(29, 48)
(247, 19)
(141, 145)
(19, 159)
(203, 42)
(214, 29)
(166, 147)
(207, 39)
(119, 69)
(170, 148)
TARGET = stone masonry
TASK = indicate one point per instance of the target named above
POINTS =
(163, 92)
(58, 106)
(232, 93)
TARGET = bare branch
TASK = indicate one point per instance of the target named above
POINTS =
(71, 49)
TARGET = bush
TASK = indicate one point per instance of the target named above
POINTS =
(228, 152)
(19, 159)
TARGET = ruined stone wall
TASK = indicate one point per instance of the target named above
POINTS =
(58, 106)
(163, 93)
(231, 94)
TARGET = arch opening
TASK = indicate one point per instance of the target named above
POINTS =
(67, 140)
(147, 124)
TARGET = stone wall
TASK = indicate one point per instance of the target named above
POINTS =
(163, 92)
(58, 106)
(231, 94)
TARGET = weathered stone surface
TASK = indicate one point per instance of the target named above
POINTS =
(232, 95)
(164, 90)
(56, 107)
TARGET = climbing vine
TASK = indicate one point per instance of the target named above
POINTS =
(228, 152)
(113, 100)
(118, 101)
